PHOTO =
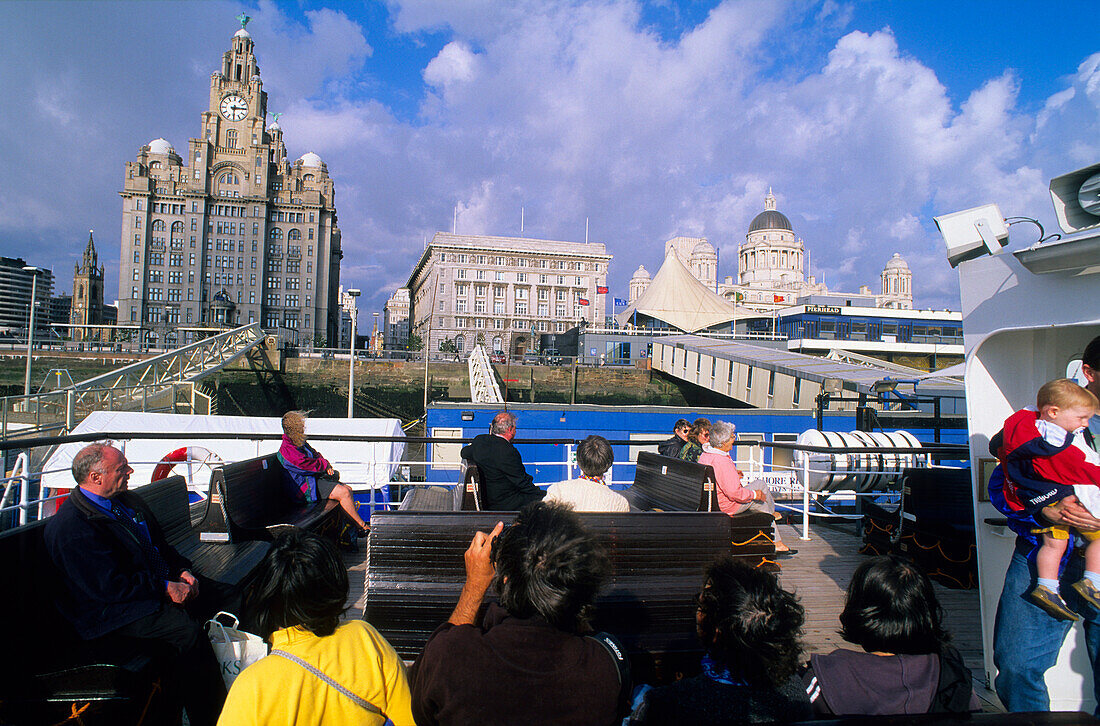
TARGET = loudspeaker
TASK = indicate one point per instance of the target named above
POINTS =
(1076, 198)
(972, 233)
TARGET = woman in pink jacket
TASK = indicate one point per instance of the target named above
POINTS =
(732, 496)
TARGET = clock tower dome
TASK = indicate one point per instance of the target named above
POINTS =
(230, 232)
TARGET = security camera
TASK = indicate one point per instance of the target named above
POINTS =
(1076, 198)
(973, 233)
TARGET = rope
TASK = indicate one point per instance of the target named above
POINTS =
(962, 586)
(755, 537)
(149, 701)
(939, 546)
(74, 714)
(765, 561)
(889, 529)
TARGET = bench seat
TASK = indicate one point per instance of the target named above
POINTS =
(254, 499)
(231, 563)
(665, 484)
(415, 572)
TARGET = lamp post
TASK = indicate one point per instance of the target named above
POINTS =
(30, 328)
(353, 293)
(375, 341)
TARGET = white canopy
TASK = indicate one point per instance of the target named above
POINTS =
(359, 463)
(676, 297)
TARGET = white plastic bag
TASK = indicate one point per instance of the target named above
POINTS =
(235, 649)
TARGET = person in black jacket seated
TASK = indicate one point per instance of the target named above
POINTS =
(907, 665)
(751, 629)
(671, 447)
(127, 586)
(505, 483)
(528, 658)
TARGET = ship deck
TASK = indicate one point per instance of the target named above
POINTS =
(819, 575)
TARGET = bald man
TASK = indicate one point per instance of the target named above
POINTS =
(505, 483)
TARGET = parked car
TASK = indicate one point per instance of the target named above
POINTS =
(498, 358)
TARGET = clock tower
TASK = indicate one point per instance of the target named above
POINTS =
(232, 232)
(87, 301)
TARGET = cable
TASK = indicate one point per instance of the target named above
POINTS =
(1042, 238)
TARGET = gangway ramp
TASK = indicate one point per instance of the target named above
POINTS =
(164, 383)
(766, 377)
(483, 380)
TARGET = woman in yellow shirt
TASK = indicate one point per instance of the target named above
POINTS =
(319, 672)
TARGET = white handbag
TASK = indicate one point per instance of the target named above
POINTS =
(235, 649)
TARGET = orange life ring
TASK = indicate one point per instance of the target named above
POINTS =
(184, 453)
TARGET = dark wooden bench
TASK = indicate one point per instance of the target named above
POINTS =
(254, 499)
(231, 563)
(47, 670)
(1033, 718)
(665, 484)
(933, 526)
(415, 572)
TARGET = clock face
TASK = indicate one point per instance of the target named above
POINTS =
(234, 107)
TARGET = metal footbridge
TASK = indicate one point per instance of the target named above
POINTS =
(483, 380)
(775, 378)
(170, 382)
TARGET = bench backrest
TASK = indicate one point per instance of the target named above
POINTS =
(415, 571)
(672, 485)
(255, 493)
(170, 505)
(31, 585)
(938, 496)
(429, 499)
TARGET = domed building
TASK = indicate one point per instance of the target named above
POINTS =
(638, 283)
(897, 285)
(230, 232)
(771, 253)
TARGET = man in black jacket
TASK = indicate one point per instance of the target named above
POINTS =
(126, 584)
(671, 447)
(505, 483)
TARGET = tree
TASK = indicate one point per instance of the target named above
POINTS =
(415, 342)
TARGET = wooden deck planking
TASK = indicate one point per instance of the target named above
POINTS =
(819, 575)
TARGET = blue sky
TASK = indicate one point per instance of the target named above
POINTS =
(650, 119)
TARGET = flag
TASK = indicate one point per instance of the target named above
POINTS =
(777, 298)
(601, 290)
(738, 296)
(582, 301)
(620, 303)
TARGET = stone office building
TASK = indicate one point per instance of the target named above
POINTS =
(232, 232)
(504, 291)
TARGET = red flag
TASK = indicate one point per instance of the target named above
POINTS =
(601, 290)
(777, 298)
(582, 301)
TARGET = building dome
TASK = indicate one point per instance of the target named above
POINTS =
(160, 146)
(641, 273)
(897, 263)
(703, 248)
(311, 159)
(770, 219)
(242, 33)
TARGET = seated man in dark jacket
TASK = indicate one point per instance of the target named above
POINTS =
(505, 483)
(671, 447)
(127, 584)
(527, 660)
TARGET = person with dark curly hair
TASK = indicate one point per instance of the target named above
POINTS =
(751, 629)
(528, 660)
(907, 665)
(319, 671)
(698, 440)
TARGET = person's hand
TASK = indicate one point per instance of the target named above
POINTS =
(479, 575)
(1072, 513)
(179, 592)
(330, 471)
(191, 580)
(479, 565)
(759, 496)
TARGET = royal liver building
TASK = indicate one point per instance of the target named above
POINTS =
(234, 233)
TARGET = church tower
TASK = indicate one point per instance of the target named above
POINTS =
(87, 302)
(232, 232)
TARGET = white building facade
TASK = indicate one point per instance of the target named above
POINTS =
(503, 292)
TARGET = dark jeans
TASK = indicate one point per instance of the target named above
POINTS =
(175, 635)
(1026, 640)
